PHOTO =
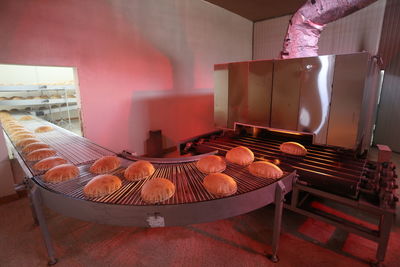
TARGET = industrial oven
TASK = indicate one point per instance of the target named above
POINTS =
(326, 103)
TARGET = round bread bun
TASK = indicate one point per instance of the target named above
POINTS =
(61, 173)
(48, 163)
(157, 190)
(14, 128)
(41, 153)
(19, 132)
(102, 185)
(219, 184)
(21, 136)
(139, 170)
(44, 129)
(105, 164)
(34, 146)
(26, 141)
(240, 155)
(26, 118)
(265, 169)
(211, 164)
(293, 148)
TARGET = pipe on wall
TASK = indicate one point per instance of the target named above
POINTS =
(307, 23)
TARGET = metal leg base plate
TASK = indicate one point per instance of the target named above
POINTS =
(52, 262)
(376, 264)
(273, 258)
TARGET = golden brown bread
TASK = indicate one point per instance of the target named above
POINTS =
(44, 129)
(19, 132)
(293, 148)
(211, 164)
(26, 141)
(61, 173)
(105, 164)
(48, 163)
(240, 155)
(139, 170)
(265, 169)
(21, 136)
(26, 118)
(14, 128)
(157, 190)
(220, 184)
(39, 154)
(102, 185)
(34, 146)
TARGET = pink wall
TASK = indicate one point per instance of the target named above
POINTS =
(142, 65)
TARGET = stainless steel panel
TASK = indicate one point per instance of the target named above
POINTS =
(372, 90)
(347, 98)
(387, 126)
(221, 83)
(316, 80)
(286, 94)
(238, 93)
(260, 92)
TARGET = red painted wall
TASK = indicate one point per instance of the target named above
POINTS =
(142, 65)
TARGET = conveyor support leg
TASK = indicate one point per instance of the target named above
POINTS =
(279, 196)
(385, 225)
(43, 225)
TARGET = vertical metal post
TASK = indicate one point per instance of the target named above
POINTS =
(43, 225)
(279, 195)
(34, 216)
(385, 226)
(295, 196)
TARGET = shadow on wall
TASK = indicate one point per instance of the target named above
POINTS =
(166, 32)
(178, 116)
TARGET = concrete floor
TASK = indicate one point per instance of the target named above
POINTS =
(238, 241)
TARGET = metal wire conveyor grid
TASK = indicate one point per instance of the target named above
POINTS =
(186, 178)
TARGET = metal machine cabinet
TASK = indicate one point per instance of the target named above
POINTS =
(333, 97)
(260, 92)
(302, 94)
(242, 93)
(238, 106)
(347, 99)
(221, 83)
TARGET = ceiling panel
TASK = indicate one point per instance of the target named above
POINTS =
(256, 10)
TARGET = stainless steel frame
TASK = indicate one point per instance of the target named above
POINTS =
(159, 215)
(67, 199)
(324, 173)
(380, 236)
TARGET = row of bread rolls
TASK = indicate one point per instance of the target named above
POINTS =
(153, 191)
(22, 84)
(161, 189)
(2, 98)
(57, 169)
(220, 184)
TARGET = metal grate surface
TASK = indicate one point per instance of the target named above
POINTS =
(339, 171)
(185, 176)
